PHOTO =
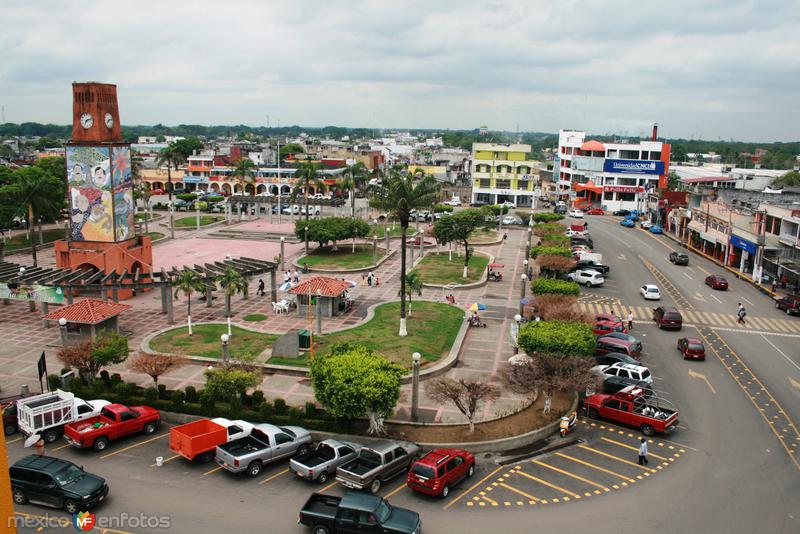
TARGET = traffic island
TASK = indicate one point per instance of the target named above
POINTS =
(204, 344)
(437, 270)
(343, 259)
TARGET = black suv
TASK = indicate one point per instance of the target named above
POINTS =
(613, 384)
(581, 240)
(54, 482)
(679, 258)
(590, 264)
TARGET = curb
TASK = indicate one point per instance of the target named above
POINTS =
(480, 283)
(360, 269)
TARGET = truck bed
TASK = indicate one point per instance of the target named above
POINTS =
(319, 505)
(359, 467)
(242, 446)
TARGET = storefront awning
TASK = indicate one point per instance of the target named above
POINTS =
(590, 186)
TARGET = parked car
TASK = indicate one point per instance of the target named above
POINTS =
(790, 304)
(595, 211)
(266, 443)
(453, 202)
(582, 240)
(623, 336)
(357, 512)
(478, 204)
(716, 281)
(511, 219)
(679, 258)
(606, 344)
(614, 357)
(322, 462)
(560, 209)
(621, 213)
(633, 217)
(157, 192)
(614, 384)
(627, 223)
(587, 277)
(509, 205)
(376, 463)
(199, 439)
(667, 317)
(291, 210)
(57, 483)
(8, 407)
(312, 210)
(691, 348)
(645, 224)
(631, 407)
(626, 370)
(656, 229)
(593, 265)
(607, 317)
(605, 327)
(115, 421)
(650, 292)
(439, 470)
(576, 214)
(48, 413)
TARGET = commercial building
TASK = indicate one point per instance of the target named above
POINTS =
(503, 173)
(614, 175)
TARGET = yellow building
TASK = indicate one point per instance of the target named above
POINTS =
(503, 173)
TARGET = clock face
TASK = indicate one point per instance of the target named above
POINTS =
(109, 120)
(86, 120)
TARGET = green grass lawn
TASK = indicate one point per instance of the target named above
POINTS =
(192, 220)
(155, 235)
(437, 269)
(244, 345)
(255, 317)
(483, 235)
(380, 230)
(20, 240)
(344, 258)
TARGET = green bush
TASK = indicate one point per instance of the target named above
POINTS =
(235, 407)
(257, 398)
(54, 381)
(123, 391)
(105, 377)
(547, 217)
(443, 208)
(311, 410)
(65, 370)
(207, 404)
(176, 398)
(188, 197)
(295, 416)
(544, 285)
(555, 241)
(191, 394)
(99, 387)
(162, 392)
(280, 407)
(551, 251)
(494, 210)
(265, 411)
(557, 337)
(215, 198)
(76, 386)
(150, 395)
(116, 378)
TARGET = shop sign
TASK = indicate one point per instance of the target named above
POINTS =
(743, 244)
(623, 189)
(633, 166)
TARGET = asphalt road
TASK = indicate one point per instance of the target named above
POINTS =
(723, 470)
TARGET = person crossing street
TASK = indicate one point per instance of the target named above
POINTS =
(643, 452)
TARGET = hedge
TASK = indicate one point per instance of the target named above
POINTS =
(443, 208)
(544, 285)
(547, 217)
(186, 196)
(557, 337)
(551, 251)
(555, 240)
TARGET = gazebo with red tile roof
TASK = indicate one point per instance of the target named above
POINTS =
(331, 291)
(92, 313)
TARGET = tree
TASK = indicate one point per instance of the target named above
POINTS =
(291, 148)
(307, 172)
(673, 181)
(560, 308)
(554, 265)
(226, 383)
(548, 373)
(353, 381)
(155, 365)
(398, 194)
(232, 282)
(355, 179)
(413, 285)
(331, 229)
(458, 228)
(188, 146)
(172, 158)
(790, 179)
(92, 355)
(160, 138)
(244, 173)
(188, 282)
(465, 394)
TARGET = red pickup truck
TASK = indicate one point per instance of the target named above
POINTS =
(629, 406)
(115, 421)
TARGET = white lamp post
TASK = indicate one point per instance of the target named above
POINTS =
(225, 347)
(62, 323)
(415, 358)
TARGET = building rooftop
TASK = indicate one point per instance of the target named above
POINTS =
(321, 285)
(88, 311)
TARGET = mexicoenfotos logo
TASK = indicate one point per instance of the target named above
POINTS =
(83, 521)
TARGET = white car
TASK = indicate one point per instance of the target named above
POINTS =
(626, 370)
(576, 214)
(312, 210)
(646, 224)
(575, 233)
(587, 277)
(291, 210)
(650, 292)
(453, 202)
(509, 205)
(510, 219)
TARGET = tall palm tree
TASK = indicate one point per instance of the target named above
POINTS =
(413, 285)
(398, 194)
(232, 282)
(244, 173)
(307, 172)
(354, 180)
(172, 157)
(188, 282)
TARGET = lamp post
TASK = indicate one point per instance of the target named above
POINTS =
(319, 311)
(374, 249)
(62, 326)
(515, 332)
(306, 237)
(524, 279)
(283, 262)
(225, 348)
(528, 248)
(415, 358)
(525, 268)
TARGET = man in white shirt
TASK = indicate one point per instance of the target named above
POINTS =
(643, 452)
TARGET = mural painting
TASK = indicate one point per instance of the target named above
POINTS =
(122, 187)
(91, 202)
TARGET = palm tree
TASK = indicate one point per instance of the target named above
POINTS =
(398, 194)
(244, 173)
(413, 285)
(354, 179)
(307, 172)
(171, 157)
(232, 282)
(188, 282)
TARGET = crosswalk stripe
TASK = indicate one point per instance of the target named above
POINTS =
(724, 319)
(644, 313)
(758, 323)
(707, 317)
(691, 316)
(780, 324)
(793, 326)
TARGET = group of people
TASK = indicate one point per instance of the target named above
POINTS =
(628, 321)
(371, 279)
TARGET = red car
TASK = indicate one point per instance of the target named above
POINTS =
(157, 192)
(716, 281)
(691, 348)
(607, 317)
(602, 328)
(115, 421)
(667, 317)
(439, 470)
(595, 211)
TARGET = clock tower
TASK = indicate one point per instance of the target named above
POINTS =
(95, 114)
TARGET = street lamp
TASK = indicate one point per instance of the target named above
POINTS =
(528, 248)
(415, 358)
(225, 347)
(524, 279)
(62, 323)
(283, 264)
(525, 268)
(306, 236)
(515, 332)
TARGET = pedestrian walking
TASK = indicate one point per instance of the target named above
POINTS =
(643, 452)
(369, 279)
(287, 277)
(260, 291)
(505, 236)
(39, 447)
(741, 314)
(296, 277)
(630, 320)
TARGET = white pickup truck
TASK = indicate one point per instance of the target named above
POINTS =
(46, 414)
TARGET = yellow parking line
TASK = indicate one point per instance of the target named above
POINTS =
(556, 469)
(167, 460)
(492, 501)
(274, 476)
(14, 440)
(62, 447)
(515, 490)
(394, 491)
(603, 469)
(654, 455)
(329, 486)
(135, 445)
(481, 481)
(213, 470)
(544, 482)
(617, 458)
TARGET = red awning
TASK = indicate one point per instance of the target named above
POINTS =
(593, 146)
(496, 266)
(590, 185)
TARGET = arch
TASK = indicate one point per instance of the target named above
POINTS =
(177, 185)
(273, 189)
(88, 267)
(261, 188)
(215, 187)
(226, 188)
(156, 185)
(249, 189)
(286, 190)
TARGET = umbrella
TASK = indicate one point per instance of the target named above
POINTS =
(352, 284)
(476, 307)
(32, 439)
(286, 286)
(528, 301)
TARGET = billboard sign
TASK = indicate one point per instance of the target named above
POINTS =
(633, 166)
(743, 244)
(623, 189)
(585, 163)
(34, 292)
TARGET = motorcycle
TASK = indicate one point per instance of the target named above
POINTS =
(568, 423)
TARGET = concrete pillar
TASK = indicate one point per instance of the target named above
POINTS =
(412, 252)
(319, 314)
(246, 294)
(375, 250)
(103, 293)
(283, 255)
(164, 298)
(45, 309)
(209, 297)
(32, 305)
(93, 331)
(170, 318)
(273, 286)
(421, 244)
(386, 235)
(115, 293)
(68, 293)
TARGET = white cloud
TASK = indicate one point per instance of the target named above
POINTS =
(713, 68)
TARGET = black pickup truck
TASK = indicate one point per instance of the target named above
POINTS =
(357, 512)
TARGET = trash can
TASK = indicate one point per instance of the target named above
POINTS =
(305, 339)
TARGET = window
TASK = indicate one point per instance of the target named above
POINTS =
(485, 183)
(399, 452)
(624, 373)
(440, 471)
(503, 184)
(344, 451)
(127, 416)
(614, 404)
(348, 516)
(282, 438)
(83, 409)
(455, 462)
(233, 429)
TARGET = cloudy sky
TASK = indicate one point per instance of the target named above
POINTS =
(700, 68)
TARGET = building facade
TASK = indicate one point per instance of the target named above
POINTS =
(503, 173)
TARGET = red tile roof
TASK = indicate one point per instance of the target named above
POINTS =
(327, 287)
(88, 311)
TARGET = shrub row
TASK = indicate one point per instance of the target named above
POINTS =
(551, 251)
(545, 217)
(544, 285)
(558, 240)
(557, 337)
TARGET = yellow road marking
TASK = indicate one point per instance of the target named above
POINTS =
(515, 490)
(603, 469)
(214, 470)
(654, 455)
(707, 273)
(701, 376)
(556, 469)
(618, 459)
(544, 482)
(274, 476)
(167, 460)
(14, 440)
(329, 486)
(394, 491)
(492, 501)
(135, 445)
(481, 481)
(62, 447)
